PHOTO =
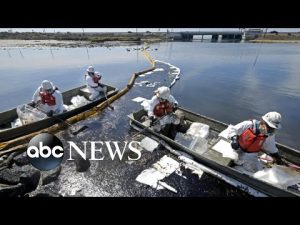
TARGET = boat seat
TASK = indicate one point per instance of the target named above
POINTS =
(85, 92)
(215, 155)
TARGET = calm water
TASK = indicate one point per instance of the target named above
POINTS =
(218, 80)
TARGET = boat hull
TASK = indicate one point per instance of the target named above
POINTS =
(10, 115)
(217, 126)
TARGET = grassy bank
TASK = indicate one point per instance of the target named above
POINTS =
(278, 38)
(86, 37)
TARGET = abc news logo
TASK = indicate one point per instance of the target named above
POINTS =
(45, 151)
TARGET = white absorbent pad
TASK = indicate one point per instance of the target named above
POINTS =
(280, 176)
(225, 148)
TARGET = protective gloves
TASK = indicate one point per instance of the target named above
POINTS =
(50, 113)
(235, 142)
(175, 107)
(152, 120)
(33, 104)
(277, 158)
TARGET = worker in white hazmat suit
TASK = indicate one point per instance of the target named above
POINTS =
(252, 136)
(93, 84)
(48, 99)
(161, 109)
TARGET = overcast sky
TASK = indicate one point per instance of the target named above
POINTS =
(134, 29)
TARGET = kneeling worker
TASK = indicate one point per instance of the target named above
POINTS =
(252, 136)
(48, 99)
(162, 107)
(93, 84)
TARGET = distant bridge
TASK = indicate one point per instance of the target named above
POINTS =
(216, 35)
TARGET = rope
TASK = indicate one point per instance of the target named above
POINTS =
(259, 50)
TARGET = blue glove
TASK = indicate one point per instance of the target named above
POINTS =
(235, 142)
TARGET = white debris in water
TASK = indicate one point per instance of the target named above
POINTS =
(279, 176)
(165, 185)
(158, 70)
(152, 84)
(225, 148)
(149, 144)
(175, 69)
(161, 169)
(144, 82)
(150, 177)
(138, 99)
(166, 165)
(147, 83)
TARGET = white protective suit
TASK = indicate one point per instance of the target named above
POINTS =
(250, 160)
(149, 106)
(57, 108)
(93, 87)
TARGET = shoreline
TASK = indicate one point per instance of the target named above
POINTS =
(16, 43)
(273, 41)
(77, 39)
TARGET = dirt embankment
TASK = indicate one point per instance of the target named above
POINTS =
(76, 39)
(278, 38)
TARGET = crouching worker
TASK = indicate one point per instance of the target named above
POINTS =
(161, 110)
(48, 99)
(93, 83)
(253, 136)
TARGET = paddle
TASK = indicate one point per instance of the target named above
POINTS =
(65, 122)
(105, 94)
